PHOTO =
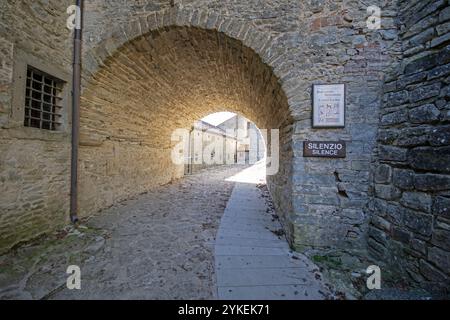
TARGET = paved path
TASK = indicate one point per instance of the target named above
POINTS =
(252, 261)
(161, 245)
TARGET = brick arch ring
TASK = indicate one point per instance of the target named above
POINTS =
(250, 37)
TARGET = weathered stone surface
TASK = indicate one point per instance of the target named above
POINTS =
(418, 222)
(397, 98)
(383, 174)
(415, 136)
(392, 213)
(440, 40)
(387, 192)
(403, 179)
(431, 273)
(441, 207)
(419, 246)
(419, 85)
(440, 258)
(432, 182)
(440, 136)
(425, 92)
(441, 238)
(439, 71)
(417, 200)
(401, 235)
(430, 159)
(394, 117)
(424, 114)
(392, 153)
(422, 64)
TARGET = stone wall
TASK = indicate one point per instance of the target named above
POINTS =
(320, 201)
(161, 81)
(34, 165)
(149, 67)
(410, 228)
(330, 196)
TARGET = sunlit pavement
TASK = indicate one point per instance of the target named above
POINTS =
(252, 258)
(254, 174)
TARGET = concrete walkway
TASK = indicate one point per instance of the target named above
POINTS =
(251, 260)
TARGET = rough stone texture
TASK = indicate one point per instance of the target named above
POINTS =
(199, 71)
(149, 67)
(34, 166)
(148, 247)
(414, 145)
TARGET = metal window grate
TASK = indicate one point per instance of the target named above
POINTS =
(43, 100)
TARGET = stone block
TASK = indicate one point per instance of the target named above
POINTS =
(387, 192)
(392, 153)
(440, 136)
(439, 258)
(439, 71)
(425, 92)
(424, 114)
(441, 207)
(440, 40)
(418, 222)
(397, 98)
(431, 182)
(430, 159)
(421, 64)
(378, 235)
(383, 174)
(419, 201)
(381, 223)
(430, 272)
(422, 37)
(391, 212)
(387, 136)
(443, 28)
(400, 235)
(441, 239)
(396, 117)
(414, 136)
(419, 246)
(377, 250)
(444, 15)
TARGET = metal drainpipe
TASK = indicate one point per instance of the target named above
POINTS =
(76, 89)
(190, 150)
(236, 135)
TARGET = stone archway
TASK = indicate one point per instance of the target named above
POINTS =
(161, 80)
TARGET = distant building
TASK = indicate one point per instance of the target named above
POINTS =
(236, 140)
(250, 146)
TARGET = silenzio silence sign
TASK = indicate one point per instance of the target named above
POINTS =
(324, 149)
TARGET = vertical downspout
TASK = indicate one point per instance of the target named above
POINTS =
(236, 135)
(190, 151)
(76, 89)
(257, 144)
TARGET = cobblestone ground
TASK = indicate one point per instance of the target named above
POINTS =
(159, 245)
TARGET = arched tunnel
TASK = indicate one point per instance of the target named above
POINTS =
(160, 82)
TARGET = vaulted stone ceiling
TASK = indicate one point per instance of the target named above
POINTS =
(171, 77)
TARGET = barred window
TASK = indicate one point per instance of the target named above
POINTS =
(43, 107)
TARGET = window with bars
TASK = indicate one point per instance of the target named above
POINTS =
(43, 100)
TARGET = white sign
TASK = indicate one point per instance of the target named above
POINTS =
(329, 106)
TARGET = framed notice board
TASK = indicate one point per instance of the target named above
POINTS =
(328, 106)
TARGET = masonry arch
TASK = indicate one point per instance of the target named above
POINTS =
(164, 79)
